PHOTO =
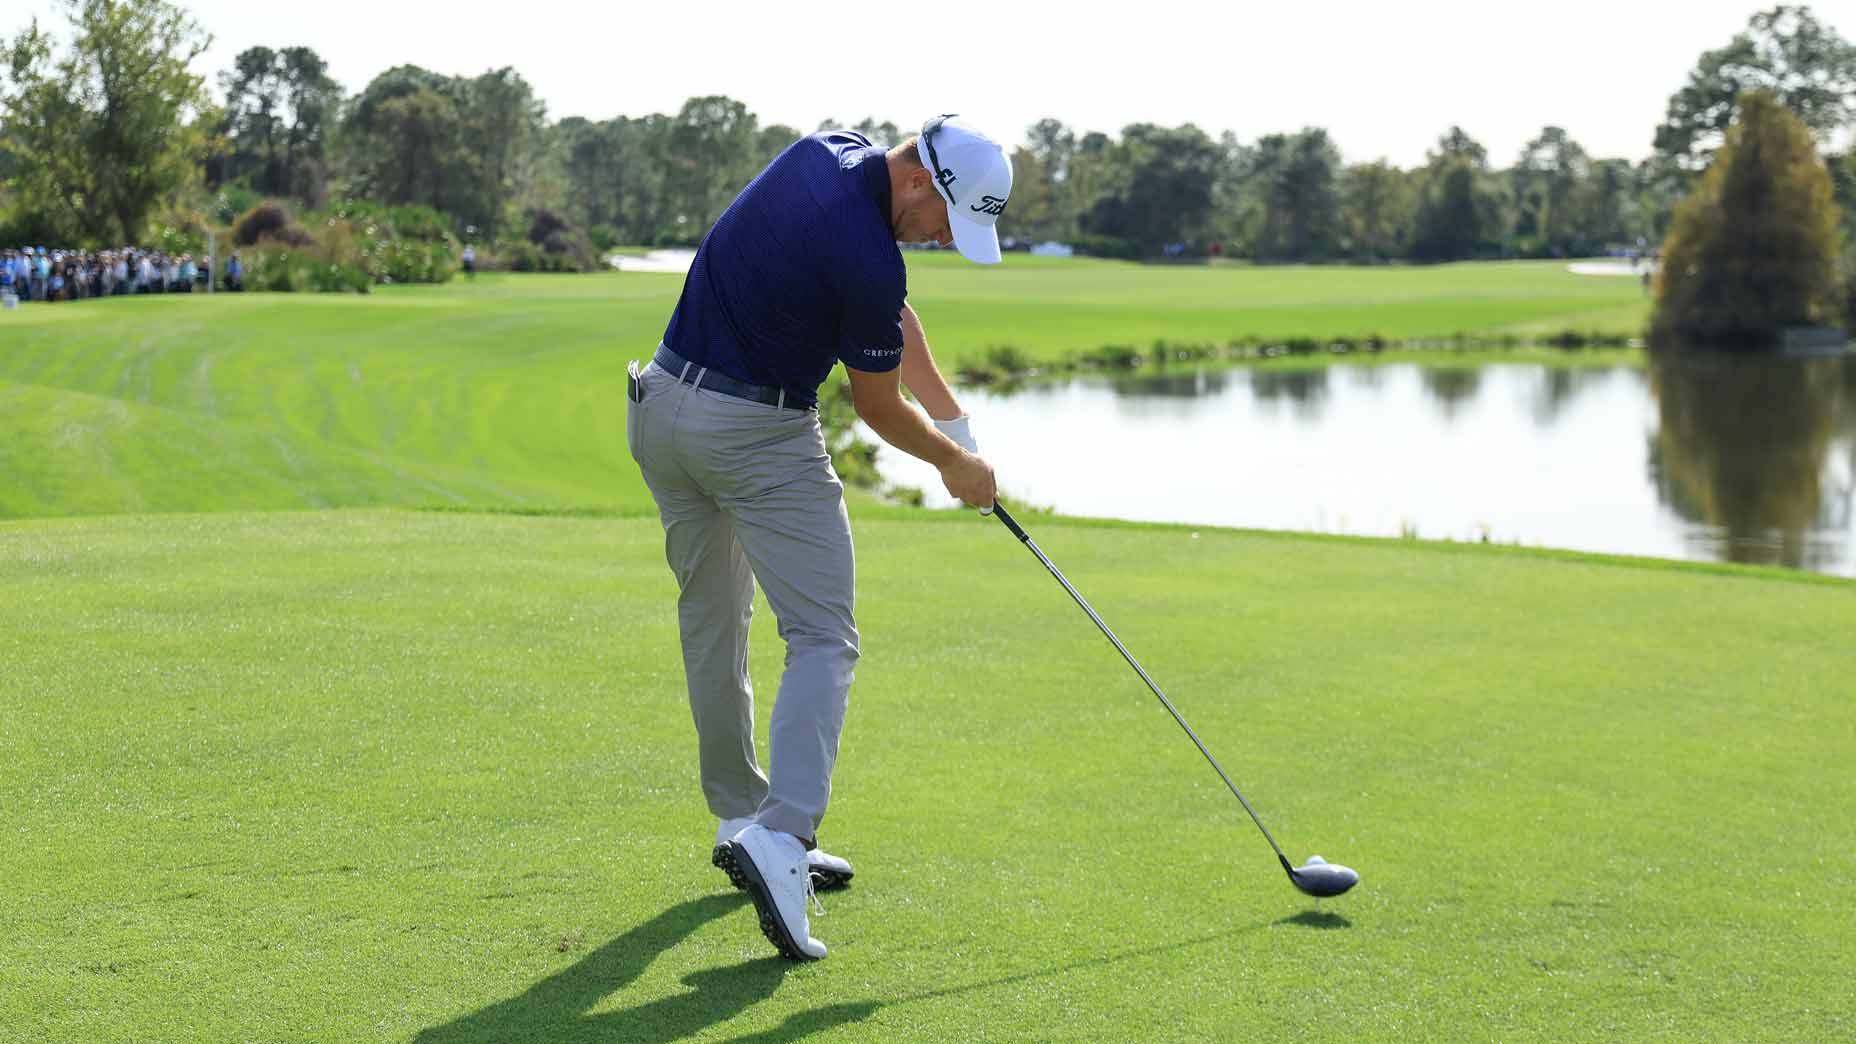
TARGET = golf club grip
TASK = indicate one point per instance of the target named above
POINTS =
(1010, 522)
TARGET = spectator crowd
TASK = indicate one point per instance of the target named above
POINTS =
(38, 274)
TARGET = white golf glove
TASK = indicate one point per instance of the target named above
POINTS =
(960, 431)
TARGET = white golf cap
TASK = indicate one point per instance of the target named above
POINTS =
(973, 175)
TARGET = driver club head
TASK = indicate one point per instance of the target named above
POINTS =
(1322, 879)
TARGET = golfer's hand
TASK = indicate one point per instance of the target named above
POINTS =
(970, 478)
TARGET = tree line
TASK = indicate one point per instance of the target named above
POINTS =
(114, 133)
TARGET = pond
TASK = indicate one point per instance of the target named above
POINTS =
(1709, 458)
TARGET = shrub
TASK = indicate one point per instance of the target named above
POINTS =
(603, 238)
(1107, 246)
(234, 198)
(26, 225)
(520, 255)
(269, 220)
(403, 244)
(544, 223)
(336, 262)
(1008, 357)
(177, 231)
(278, 267)
(563, 247)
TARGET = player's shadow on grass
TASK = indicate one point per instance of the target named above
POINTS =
(555, 1009)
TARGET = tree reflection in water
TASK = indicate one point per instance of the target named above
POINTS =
(1743, 446)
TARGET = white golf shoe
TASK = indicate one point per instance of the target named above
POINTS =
(726, 830)
(773, 868)
(828, 871)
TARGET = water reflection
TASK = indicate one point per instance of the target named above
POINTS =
(1452, 388)
(1175, 384)
(1561, 387)
(1305, 390)
(1707, 458)
(1743, 447)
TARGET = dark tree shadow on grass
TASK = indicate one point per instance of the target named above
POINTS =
(555, 1009)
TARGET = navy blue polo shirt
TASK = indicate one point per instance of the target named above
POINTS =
(800, 272)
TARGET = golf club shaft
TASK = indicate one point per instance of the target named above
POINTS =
(1025, 538)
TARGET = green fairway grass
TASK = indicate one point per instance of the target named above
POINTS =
(507, 391)
(283, 762)
(415, 776)
(1048, 307)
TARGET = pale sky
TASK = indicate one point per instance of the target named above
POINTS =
(1385, 79)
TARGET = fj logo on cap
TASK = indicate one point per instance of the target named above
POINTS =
(945, 177)
(989, 205)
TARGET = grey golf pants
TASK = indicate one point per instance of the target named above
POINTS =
(746, 492)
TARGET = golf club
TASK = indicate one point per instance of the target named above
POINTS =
(1317, 877)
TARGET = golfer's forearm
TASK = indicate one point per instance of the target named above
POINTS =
(904, 427)
(919, 372)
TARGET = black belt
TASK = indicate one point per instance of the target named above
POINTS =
(703, 377)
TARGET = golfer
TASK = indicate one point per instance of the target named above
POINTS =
(799, 274)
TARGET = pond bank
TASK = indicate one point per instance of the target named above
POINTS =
(1006, 364)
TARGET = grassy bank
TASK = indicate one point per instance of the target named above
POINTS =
(507, 391)
(1047, 309)
(390, 776)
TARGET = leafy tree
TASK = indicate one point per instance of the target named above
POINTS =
(1377, 209)
(1547, 178)
(420, 161)
(1804, 64)
(1754, 250)
(884, 132)
(1094, 170)
(1049, 148)
(278, 112)
(111, 129)
(1051, 144)
(772, 140)
(463, 146)
(1291, 194)
(590, 165)
(1162, 180)
(644, 194)
(712, 144)
(1457, 144)
(1460, 205)
(312, 98)
(398, 140)
(250, 119)
(500, 127)
(1033, 214)
(1604, 208)
(1843, 186)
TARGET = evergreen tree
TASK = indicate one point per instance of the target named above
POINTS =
(1754, 250)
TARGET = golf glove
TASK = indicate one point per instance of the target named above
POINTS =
(960, 430)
